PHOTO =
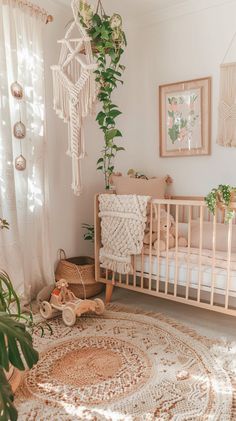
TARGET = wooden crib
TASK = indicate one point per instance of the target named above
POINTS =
(201, 276)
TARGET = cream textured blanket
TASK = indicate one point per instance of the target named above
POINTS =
(123, 221)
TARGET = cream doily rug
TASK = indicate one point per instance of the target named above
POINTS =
(126, 366)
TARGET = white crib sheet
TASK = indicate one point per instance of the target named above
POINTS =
(220, 277)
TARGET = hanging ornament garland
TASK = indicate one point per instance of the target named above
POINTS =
(19, 129)
(17, 90)
(20, 163)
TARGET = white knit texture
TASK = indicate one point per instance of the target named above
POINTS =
(123, 221)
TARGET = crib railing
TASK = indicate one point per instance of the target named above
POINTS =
(197, 275)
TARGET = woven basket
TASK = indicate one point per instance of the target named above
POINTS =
(79, 272)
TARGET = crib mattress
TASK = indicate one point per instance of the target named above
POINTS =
(220, 274)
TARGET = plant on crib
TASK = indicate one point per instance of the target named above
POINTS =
(108, 42)
(16, 348)
(222, 196)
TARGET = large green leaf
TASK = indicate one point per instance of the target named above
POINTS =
(7, 409)
(17, 339)
(7, 294)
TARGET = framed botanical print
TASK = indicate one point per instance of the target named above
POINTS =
(185, 118)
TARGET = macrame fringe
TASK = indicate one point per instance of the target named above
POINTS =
(227, 107)
(118, 267)
(75, 91)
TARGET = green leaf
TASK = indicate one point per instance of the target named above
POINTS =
(17, 337)
(97, 19)
(111, 134)
(120, 148)
(7, 409)
(115, 113)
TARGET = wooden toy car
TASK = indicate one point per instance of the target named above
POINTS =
(63, 300)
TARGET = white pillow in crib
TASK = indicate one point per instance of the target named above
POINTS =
(207, 236)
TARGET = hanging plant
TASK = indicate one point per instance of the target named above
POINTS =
(222, 197)
(108, 43)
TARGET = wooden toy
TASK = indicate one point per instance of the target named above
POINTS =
(63, 300)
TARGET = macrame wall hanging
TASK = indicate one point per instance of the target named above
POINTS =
(227, 106)
(75, 89)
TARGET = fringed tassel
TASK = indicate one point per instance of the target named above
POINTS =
(116, 264)
(76, 176)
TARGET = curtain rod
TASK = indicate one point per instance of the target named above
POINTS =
(32, 9)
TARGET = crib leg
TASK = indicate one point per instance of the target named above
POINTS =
(109, 291)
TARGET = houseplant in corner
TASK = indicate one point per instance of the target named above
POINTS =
(16, 348)
(222, 197)
(108, 43)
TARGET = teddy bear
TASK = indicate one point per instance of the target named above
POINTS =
(165, 227)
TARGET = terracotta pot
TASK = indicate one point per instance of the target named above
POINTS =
(14, 377)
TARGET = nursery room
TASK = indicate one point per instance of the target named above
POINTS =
(117, 210)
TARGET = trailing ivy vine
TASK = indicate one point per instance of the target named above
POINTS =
(222, 195)
(108, 43)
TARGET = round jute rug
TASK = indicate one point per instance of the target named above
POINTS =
(125, 366)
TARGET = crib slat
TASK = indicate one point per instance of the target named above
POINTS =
(213, 260)
(228, 264)
(176, 250)
(200, 256)
(167, 250)
(142, 267)
(150, 249)
(158, 247)
(135, 271)
(189, 246)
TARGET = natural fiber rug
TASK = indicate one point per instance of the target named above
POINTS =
(126, 366)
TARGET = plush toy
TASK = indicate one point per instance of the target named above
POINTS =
(165, 228)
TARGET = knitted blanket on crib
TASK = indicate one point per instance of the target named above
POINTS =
(123, 221)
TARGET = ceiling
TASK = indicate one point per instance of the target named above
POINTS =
(133, 8)
(150, 11)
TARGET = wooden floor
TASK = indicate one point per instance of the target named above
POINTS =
(208, 323)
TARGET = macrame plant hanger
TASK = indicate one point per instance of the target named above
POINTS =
(74, 89)
(227, 105)
(100, 9)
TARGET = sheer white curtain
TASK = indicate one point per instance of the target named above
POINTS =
(25, 249)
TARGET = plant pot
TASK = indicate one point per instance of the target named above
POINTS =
(14, 377)
(222, 205)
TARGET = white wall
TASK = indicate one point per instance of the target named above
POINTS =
(185, 48)
(68, 212)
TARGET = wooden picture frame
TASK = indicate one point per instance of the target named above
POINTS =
(185, 118)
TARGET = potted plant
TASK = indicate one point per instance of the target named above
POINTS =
(16, 347)
(223, 196)
(89, 232)
(108, 42)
